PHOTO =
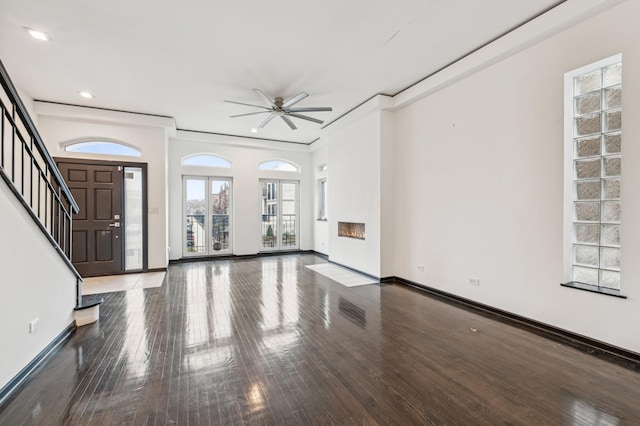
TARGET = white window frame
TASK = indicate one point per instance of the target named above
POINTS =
(569, 174)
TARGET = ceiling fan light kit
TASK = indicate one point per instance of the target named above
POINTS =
(278, 107)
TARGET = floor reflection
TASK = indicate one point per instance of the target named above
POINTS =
(290, 305)
(255, 397)
(270, 295)
(583, 413)
(325, 308)
(353, 312)
(208, 329)
(270, 341)
(134, 352)
(280, 307)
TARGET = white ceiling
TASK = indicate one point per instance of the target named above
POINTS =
(182, 59)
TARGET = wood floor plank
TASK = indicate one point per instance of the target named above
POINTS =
(268, 341)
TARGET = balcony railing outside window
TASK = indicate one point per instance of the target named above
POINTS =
(196, 234)
(270, 231)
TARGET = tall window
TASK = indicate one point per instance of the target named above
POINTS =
(594, 172)
(322, 190)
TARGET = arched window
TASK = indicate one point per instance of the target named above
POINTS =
(279, 165)
(206, 160)
(103, 148)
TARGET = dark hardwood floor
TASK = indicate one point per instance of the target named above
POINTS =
(268, 341)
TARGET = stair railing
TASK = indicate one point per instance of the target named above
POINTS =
(32, 175)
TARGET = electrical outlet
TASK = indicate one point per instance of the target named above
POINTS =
(474, 281)
(420, 268)
(33, 325)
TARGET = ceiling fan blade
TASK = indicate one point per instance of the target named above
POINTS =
(305, 117)
(310, 109)
(289, 122)
(297, 98)
(266, 120)
(265, 97)
(250, 113)
(251, 105)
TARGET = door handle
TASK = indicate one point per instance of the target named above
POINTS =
(114, 225)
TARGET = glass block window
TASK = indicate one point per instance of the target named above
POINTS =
(596, 163)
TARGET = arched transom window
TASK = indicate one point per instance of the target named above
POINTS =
(279, 165)
(102, 148)
(206, 160)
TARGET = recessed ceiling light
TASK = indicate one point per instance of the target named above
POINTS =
(38, 35)
(254, 130)
(86, 95)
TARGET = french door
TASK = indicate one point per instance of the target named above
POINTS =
(207, 216)
(279, 223)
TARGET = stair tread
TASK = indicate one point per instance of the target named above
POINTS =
(89, 302)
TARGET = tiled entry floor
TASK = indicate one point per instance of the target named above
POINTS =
(112, 283)
(342, 275)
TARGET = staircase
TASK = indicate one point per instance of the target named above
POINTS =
(32, 175)
(39, 286)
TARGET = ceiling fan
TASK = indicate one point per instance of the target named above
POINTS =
(278, 107)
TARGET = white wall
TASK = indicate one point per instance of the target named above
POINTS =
(354, 193)
(27, 101)
(319, 157)
(46, 292)
(479, 180)
(387, 194)
(59, 125)
(245, 157)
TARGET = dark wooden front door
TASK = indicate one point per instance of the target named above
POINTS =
(97, 231)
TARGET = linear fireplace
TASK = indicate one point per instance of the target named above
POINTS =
(351, 230)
